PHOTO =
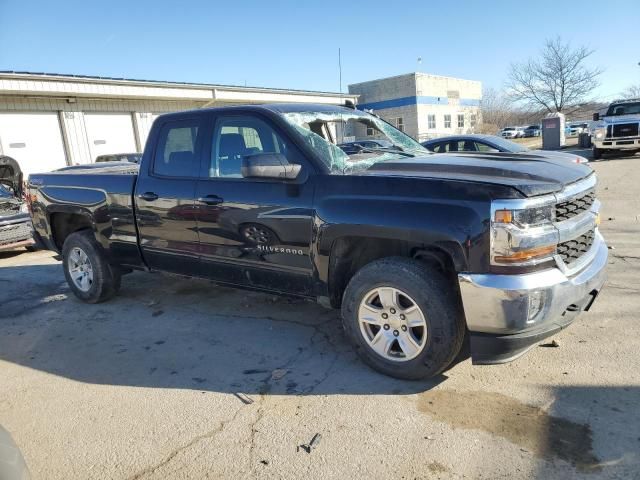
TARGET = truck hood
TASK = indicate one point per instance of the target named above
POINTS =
(11, 175)
(532, 177)
(567, 156)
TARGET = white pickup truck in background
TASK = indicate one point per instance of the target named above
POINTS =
(618, 129)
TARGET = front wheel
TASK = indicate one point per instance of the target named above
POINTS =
(404, 318)
(596, 153)
(88, 274)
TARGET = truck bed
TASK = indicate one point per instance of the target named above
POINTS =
(105, 199)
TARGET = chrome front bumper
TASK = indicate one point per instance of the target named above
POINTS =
(529, 306)
(631, 143)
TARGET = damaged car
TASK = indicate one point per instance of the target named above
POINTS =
(419, 251)
(15, 222)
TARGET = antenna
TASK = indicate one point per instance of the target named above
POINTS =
(340, 69)
(342, 125)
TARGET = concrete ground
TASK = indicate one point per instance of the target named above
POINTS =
(182, 379)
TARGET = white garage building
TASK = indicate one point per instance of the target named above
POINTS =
(48, 121)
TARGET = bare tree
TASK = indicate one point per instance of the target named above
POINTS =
(631, 92)
(557, 81)
(495, 109)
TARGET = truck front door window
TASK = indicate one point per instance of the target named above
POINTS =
(237, 137)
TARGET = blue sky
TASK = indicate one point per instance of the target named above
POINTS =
(295, 44)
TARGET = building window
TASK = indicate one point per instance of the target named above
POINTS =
(447, 121)
(473, 120)
(399, 123)
(431, 121)
(369, 131)
(460, 120)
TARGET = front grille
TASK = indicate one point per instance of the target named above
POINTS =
(575, 206)
(625, 130)
(15, 233)
(9, 208)
(572, 250)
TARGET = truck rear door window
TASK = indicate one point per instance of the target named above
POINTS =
(177, 154)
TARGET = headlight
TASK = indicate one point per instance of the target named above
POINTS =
(526, 217)
(599, 133)
(523, 236)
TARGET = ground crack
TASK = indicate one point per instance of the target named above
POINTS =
(169, 458)
(625, 258)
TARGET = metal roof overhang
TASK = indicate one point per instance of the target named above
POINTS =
(70, 86)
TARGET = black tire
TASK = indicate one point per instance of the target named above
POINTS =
(596, 153)
(435, 295)
(31, 248)
(106, 279)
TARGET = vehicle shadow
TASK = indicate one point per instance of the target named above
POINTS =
(592, 428)
(169, 332)
(11, 253)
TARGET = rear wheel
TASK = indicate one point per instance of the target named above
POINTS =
(88, 274)
(404, 318)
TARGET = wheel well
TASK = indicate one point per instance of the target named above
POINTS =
(64, 224)
(350, 254)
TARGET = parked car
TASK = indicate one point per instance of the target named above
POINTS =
(359, 146)
(12, 464)
(15, 222)
(493, 145)
(416, 249)
(120, 157)
(532, 131)
(574, 129)
(512, 132)
(618, 129)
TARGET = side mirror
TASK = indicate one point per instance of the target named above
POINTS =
(269, 165)
(596, 117)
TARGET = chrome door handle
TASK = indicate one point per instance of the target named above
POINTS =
(211, 200)
(148, 196)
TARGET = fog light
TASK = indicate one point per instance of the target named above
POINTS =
(536, 304)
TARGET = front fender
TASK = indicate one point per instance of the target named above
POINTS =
(451, 225)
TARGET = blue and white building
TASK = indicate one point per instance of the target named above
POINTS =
(422, 105)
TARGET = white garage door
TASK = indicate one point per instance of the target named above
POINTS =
(145, 121)
(109, 133)
(34, 140)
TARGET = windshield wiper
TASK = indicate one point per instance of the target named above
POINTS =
(386, 150)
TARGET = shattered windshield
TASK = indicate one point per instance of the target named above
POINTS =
(325, 131)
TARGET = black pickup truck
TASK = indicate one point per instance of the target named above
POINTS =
(417, 249)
